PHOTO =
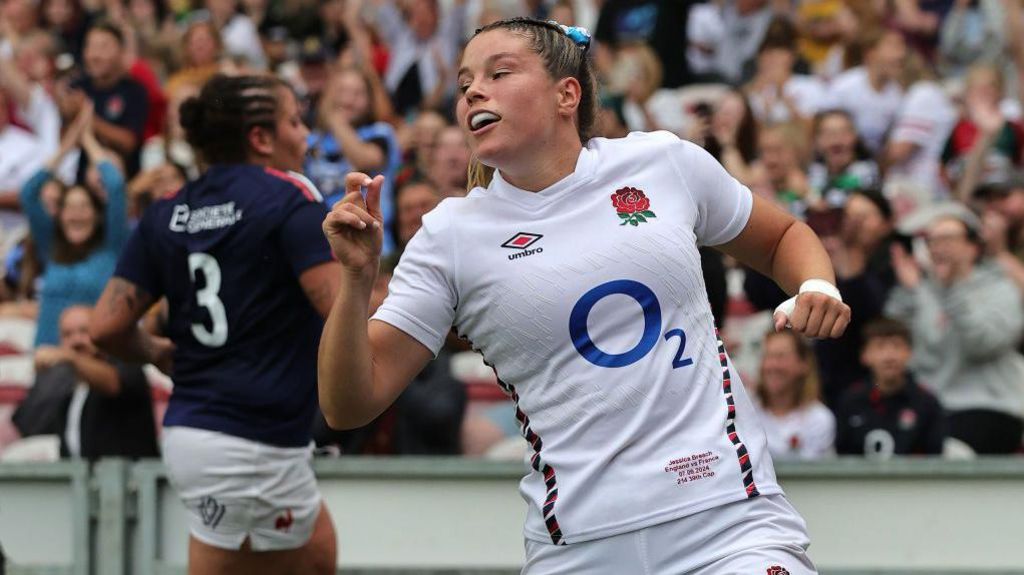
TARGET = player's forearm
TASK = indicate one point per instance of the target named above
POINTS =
(133, 346)
(97, 374)
(799, 256)
(345, 362)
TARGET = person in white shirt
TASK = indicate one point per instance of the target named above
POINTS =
(871, 93)
(776, 94)
(21, 154)
(797, 424)
(574, 269)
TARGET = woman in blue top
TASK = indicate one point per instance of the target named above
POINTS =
(79, 240)
(347, 138)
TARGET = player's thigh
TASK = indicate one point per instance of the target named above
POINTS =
(321, 552)
(206, 559)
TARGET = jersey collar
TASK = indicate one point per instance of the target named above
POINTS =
(583, 174)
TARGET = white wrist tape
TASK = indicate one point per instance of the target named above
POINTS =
(819, 286)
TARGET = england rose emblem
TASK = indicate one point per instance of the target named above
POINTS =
(632, 206)
(777, 570)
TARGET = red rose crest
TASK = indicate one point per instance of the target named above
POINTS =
(632, 206)
(777, 570)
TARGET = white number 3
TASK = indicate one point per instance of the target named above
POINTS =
(207, 297)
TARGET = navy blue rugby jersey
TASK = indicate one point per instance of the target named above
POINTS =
(227, 251)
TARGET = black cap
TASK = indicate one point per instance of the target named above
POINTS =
(313, 51)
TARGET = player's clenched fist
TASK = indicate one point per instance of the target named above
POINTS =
(354, 226)
(817, 311)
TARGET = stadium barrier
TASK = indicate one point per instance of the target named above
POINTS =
(420, 516)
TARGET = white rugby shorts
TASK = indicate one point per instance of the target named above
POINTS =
(236, 488)
(759, 536)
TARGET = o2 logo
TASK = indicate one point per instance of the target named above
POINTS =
(652, 326)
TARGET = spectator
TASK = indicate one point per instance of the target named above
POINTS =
(449, 163)
(823, 24)
(779, 172)
(745, 23)
(21, 156)
(660, 25)
(871, 93)
(201, 52)
(110, 410)
(973, 31)
(1003, 220)
(151, 185)
(704, 33)
(798, 426)
(776, 93)
(860, 256)
(982, 139)
(413, 201)
(241, 39)
(418, 140)
(966, 318)
(67, 21)
(423, 45)
(729, 132)
(914, 151)
(841, 164)
(19, 18)
(120, 103)
(28, 80)
(348, 137)
(889, 413)
(80, 241)
(170, 145)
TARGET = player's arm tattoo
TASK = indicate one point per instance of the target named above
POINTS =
(126, 299)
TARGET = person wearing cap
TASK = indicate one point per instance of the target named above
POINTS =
(966, 318)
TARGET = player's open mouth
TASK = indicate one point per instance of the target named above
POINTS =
(478, 121)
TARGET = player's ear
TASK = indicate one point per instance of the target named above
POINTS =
(570, 93)
(261, 141)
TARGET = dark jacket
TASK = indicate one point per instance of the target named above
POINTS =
(116, 426)
(908, 422)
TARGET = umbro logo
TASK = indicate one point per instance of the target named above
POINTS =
(521, 242)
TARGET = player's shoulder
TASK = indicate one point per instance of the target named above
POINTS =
(644, 149)
(293, 183)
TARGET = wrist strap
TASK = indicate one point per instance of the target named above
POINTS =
(821, 286)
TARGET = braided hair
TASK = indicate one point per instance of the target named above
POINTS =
(217, 122)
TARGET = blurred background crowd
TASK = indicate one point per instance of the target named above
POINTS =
(892, 127)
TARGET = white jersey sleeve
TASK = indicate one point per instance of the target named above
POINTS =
(723, 204)
(422, 297)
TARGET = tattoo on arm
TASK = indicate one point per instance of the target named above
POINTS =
(126, 298)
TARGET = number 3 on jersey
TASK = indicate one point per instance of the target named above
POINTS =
(652, 326)
(208, 298)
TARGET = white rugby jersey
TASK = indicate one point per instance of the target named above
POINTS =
(588, 301)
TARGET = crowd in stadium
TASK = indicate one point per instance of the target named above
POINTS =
(894, 128)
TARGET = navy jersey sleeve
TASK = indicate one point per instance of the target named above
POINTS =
(301, 235)
(136, 263)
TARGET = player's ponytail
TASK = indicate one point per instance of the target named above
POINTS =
(479, 175)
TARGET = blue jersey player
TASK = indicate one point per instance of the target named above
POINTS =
(248, 276)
